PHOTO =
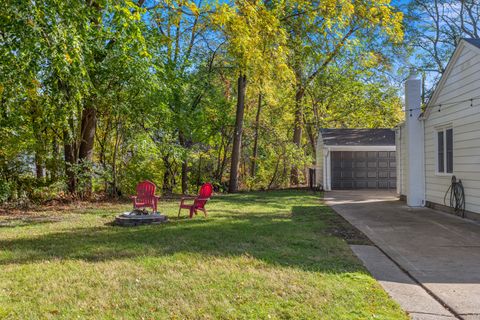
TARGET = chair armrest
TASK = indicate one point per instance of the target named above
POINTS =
(202, 199)
(183, 199)
(133, 197)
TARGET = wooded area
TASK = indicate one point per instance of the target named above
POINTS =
(98, 95)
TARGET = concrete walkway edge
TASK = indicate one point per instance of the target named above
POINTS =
(437, 251)
(416, 301)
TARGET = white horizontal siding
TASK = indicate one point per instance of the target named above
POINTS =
(463, 83)
(402, 159)
(319, 161)
(463, 62)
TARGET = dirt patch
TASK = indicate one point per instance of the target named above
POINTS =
(24, 220)
(339, 227)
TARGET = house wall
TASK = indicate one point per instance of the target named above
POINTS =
(319, 161)
(461, 83)
(402, 156)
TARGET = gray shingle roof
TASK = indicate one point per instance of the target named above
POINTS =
(358, 137)
(475, 42)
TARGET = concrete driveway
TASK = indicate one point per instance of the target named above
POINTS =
(440, 251)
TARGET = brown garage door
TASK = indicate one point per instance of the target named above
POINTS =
(363, 170)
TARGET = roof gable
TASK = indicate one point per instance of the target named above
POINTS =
(473, 42)
(464, 44)
(358, 137)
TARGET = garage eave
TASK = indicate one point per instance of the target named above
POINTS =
(360, 148)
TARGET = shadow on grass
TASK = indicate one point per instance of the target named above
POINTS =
(296, 237)
(27, 221)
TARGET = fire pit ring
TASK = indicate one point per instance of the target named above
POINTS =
(139, 217)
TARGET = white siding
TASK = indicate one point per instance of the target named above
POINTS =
(462, 83)
(402, 159)
(319, 161)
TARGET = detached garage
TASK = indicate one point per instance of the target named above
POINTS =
(356, 159)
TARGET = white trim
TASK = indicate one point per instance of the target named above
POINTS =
(398, 158)
(327, 164)
(443, 129)
(456, 54)
(360, 148)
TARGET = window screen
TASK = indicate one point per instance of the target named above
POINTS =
(449, 147)
(441, 152)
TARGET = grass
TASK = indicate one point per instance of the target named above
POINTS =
(265, 255)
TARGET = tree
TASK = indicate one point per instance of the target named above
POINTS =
(96, 96)
(434, 30)
(255, 42)
(322, 32)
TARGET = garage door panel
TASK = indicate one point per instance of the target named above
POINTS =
(363, 170)
(347, 155)
(360, 174)
(347, 185)
(337, 164)
(347, 174)
(347, 164)
(383, 174)
(383, 163)
(372, 174)
(361, 184)
(383, 184)
(360, 155)
(372, 184)
(360, 164)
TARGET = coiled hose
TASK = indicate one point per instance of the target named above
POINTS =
(457, 196)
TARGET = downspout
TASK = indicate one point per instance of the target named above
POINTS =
(399, 153)
(326, 167)
(422, 119)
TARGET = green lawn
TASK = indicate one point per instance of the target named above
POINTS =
(265, 255)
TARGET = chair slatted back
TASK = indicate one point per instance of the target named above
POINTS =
(145, 191)
(205, 193)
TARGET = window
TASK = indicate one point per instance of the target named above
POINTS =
(449, 150)
(445, 151)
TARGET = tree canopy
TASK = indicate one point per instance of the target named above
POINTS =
(98, 95)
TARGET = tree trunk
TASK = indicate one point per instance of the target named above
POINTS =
(274, 176)
(237, 136)
(70, 152)
(39, 171)
(167, 187)
(183, 143)
(255, 141)
(52, 167)
(297, 133)
(199, 176)
(114, 191)
(311, 137)
(85, 154)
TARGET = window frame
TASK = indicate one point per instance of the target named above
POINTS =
(444, 130)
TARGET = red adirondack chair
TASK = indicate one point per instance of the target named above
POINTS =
(198, 202)
(145, 197)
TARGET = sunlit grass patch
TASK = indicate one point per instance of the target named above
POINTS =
(258, 255)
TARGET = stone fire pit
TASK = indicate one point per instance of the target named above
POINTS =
(139, 217)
